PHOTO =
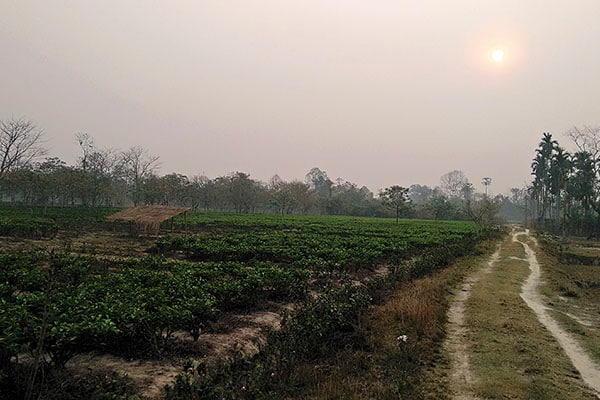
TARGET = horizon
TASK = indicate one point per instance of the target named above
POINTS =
(393, 93)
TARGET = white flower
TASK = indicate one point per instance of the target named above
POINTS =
(402, 338)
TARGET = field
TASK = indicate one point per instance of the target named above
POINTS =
(72, 286)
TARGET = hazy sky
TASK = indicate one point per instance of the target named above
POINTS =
(377, 92)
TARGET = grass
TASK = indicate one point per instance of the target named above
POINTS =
(513, 355)
(385, 367)
(573, 292)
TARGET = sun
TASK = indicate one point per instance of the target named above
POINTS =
(498, 55)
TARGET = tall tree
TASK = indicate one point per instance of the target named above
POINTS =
(419, 194)
(587, 139)
(281, 196)
(138, 165)
(541, 170)
(453, 182)
(560, 168)
(486, 181)
(20, 143)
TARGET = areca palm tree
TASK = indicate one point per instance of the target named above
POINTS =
(560, 169)
(581, 186)
(541, 166)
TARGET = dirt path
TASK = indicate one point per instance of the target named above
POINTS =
(461, 380)
(590, 371)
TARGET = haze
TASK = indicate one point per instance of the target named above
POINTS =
(378, 93)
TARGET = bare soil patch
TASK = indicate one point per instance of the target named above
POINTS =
(235, 335)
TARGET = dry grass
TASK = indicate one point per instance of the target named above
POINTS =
(573, 291)
(97, 243)
(148, 218)
(386, 367)
(148, 214)
(513, 356)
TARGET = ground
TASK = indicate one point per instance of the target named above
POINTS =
(522, 323)
(504, 339)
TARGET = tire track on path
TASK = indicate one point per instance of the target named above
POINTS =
(590, 371)
(461, 379)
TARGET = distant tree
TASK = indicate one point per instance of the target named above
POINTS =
(440, 207)
(560, 169)
(322, 188)
(521, 199)
(453, 182)
(419, 194)
(20, 143)
(587, 139)
(303, 195)
(241, 192)
(281, 196)
(102, 173)
(138, 165)
(541, 170)
(348, 199)
(483, 212)
(397, 198)
(467, 191)
(582, 185)
(168, 190)
(486, 181)
(318, 179)
(204, 192)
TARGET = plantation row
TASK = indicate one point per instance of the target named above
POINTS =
(314, 332)
(133, 306)
(324, 243)
(45, 222)
(138, 307)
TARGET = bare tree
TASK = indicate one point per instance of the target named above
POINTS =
(19, 144)
(587, 139)
(453, 182)
(138, 166)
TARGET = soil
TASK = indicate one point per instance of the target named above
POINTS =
(590, 371)
(235, 335)
(461, 379)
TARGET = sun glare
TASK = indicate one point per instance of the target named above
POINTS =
(498, 55)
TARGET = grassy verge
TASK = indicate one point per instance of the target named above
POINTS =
(573, 291)
(513, 356)
(391, 365)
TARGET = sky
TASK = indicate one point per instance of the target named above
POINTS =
(379, 93)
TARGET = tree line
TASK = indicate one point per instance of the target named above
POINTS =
(564, 196)
(112, 177)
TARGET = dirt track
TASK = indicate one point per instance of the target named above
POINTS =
(461, 378)
(590, 371)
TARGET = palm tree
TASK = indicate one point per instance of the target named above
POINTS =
(541, 170)
(560, 168)
(486, 181)
(540, 173)
(582, 183)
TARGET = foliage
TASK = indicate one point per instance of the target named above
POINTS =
(316, 243)
(397, 198)
(32, 228)
(564, 193)
(319, 329)
(235, 262)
